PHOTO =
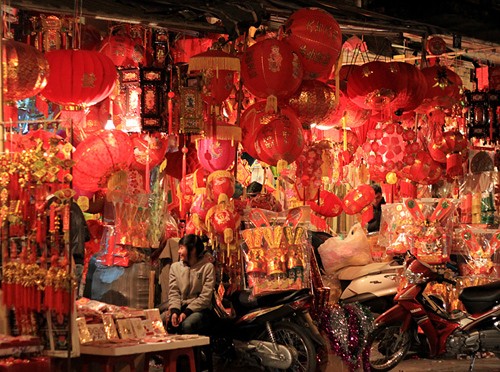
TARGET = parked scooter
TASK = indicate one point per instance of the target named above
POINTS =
(373, 285)
(454, 334)
(273, 330)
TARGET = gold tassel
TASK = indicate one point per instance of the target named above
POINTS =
(272, 104)
(281, 165)
(228, 132)
(214, 60)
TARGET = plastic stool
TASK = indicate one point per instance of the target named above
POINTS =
(171, 357)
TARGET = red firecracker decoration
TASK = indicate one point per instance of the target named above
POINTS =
(316, 35)
(100, 155)
(270, 69)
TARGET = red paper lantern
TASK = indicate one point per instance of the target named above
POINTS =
(149, 150)
(329, 204)
(220, 183)
(25, 70)
(201, 204)
(313, 102)
(79, 77)
(187, 46)
(373, 86)
(419, 169)
(174, 161)
(224, 220)
(316, 35)
(100, 155)
(358, 199)
(412, 89)
(122, 50)
(215, 154)
(443, 87)
(280, 139)
(271, 68)
(354, 115)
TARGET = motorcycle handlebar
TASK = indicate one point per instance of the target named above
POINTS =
(442, 279)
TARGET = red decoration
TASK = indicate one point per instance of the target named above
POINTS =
(215, 154)
(329, 204)
(280, 139)
(149, 149)
(354, 115)
(436, 45)
(412, 89)
(122, 50)
(79, 77)
(443, 87)
(100, 155)
(423, 169)
(313, 102)
(316, 35)
(25, 70)
(220, 183)
(373, 85)
(358, 199)
(224, 220)
(271, 68)
(187, 46)
(174, 161)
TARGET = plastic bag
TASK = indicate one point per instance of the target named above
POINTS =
(354, 250)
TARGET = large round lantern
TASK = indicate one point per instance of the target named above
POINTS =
(318, 38)
(358, 199)
(215, 154)
(313, 102)
(122, 50)
(353, 115)
(329, 204)
(220, 183)
(100, 155)
(79, 77)
(373, 85)
(413, 87)
(443, 87)
(187, 46)
(280, 140)
(270, 68)
(149, 150)
(25, 70)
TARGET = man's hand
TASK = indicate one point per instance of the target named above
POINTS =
(182, 317)
(174, 319)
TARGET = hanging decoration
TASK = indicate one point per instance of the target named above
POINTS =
(123, 50)
(327, 205)
(100, 155)
(313, 102)
(450, 148)
(317, 37)
(359, 200)
(443, 88)
(412, 87)
(271, 70)
(219, 152)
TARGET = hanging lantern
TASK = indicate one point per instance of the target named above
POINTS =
(122, 50)
(373, 86)
(353, 114)
(436, 45)
(358, 199)
(220, 183)
(270, 69)
(412, 89)
(100, 155)
(149, 150)
(443, 87)
(223, 220)
(79, 77)
(329, 204)
(281, 139)
(219, 152)
(186, 47)
(313, 102)
(25, 70)
(316, 35)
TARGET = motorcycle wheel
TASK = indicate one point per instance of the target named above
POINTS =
(388, 347)
(291, 335)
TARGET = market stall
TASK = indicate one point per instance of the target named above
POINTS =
(118, 139)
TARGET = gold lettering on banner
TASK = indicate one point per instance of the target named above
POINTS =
(317, 26)
(88, 80)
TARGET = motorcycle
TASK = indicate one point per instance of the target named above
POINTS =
(373, 285)
(458, 333)
(273, 330)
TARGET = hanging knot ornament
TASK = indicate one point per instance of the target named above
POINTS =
(443, 88)
(450, 148)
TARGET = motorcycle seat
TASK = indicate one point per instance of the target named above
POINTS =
(480, 298)
(247, 301)
(353, 272)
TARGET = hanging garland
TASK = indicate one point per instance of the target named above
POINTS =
(347, 328)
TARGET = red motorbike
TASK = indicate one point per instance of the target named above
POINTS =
(447, 334)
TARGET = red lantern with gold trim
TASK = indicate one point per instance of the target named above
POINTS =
(359, 198)
(412, 89)
(100, 155)
(316, 35)
(220, 183)
(270, 68)
(79, 77)
(443, 87)
(330, 205)
(280, 139)
(215, 154)
(122, 50)
(373, 86)
(149, 150)
(313, 102)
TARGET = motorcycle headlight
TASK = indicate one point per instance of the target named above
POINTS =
(414, 278)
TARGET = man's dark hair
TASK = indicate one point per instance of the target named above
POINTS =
(254, 188)
(376, 187)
